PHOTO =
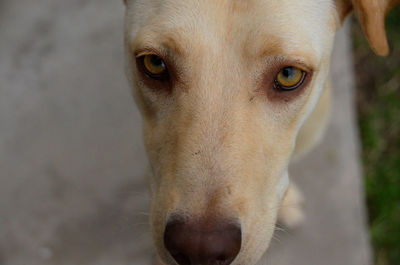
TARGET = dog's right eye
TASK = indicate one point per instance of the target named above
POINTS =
(154, 66)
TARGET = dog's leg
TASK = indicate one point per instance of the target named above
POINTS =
(291, 213)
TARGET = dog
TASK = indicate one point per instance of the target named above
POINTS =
(232, 91)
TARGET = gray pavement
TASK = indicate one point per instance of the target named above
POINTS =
(72, 190)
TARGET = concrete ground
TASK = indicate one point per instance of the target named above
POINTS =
(72, 189)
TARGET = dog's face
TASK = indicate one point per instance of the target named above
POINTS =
(223, 87)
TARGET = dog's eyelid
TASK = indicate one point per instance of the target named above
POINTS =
(304, 67)
(167, 48)
(165, 55)
(295, 63)
(148, 51)
(303, 62)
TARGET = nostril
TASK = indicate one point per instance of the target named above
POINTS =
(182, 259)
(212, 243)
(222, 260)
(174, 242)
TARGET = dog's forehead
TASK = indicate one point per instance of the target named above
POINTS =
(291, 25)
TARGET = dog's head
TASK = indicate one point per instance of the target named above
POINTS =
(224, 87)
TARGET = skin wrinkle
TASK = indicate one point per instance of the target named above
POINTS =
(218, 144)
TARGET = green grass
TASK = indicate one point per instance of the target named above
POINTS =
(378, 102)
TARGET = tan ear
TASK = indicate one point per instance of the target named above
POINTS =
(371, 14)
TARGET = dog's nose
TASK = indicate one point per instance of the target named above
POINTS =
(203, 244)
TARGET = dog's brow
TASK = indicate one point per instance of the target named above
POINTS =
(307, 60)
(166, 42)
(268, 45)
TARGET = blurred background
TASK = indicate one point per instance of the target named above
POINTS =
(72, 162)
(378, 105)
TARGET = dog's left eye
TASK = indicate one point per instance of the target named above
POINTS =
(289, 78)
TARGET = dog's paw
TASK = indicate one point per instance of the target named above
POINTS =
(292, 217)
(291, 213)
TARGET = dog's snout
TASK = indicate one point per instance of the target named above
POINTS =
(216, 243)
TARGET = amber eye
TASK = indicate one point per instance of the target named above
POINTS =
(154, 66)
(289, 78)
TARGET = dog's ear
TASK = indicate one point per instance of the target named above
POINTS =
(371, 14)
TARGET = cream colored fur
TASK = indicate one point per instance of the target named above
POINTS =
(219, 144)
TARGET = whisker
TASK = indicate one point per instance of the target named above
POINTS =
(279, 228)
(277, 238)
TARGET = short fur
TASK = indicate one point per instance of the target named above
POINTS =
(219, 139)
